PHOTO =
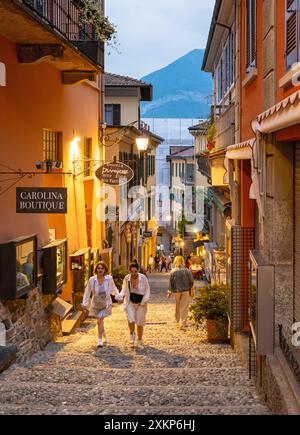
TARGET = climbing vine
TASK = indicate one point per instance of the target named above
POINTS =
(91, 14)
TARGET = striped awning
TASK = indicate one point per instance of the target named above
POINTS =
(282, 115)
(241, 151)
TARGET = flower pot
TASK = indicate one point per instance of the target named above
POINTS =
(217, 330)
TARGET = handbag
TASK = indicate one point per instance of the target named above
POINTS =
(98, 302)
(192, 292)
(134, 297)
(192, 289)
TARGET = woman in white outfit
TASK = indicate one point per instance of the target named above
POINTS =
(101, 287)
(136, 294)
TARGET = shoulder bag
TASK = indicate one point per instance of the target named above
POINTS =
(98, 302)
(134, 297)
(192, 289)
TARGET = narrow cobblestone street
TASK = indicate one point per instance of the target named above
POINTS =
(176, 372)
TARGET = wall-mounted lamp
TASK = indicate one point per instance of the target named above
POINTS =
(142, 143)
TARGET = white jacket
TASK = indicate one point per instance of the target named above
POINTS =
(109, 286)
(143, 289)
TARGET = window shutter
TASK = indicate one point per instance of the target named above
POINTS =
(291, 39)
(253, 33)
(117, 114)
(248, 34)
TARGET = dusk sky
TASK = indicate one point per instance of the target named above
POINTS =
(154, 33)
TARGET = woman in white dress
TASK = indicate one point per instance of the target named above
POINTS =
(101, 287)
(136, 294)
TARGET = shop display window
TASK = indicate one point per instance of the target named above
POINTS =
(18, 267)
(261, 304)
(54, 265)
(80, 265)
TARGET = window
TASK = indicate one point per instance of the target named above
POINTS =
(226, 68)
(250, 35)
(291, 31)
(52, 145)
(190, 170)
(88, 153)
(113, 114)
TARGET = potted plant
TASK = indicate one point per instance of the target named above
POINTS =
(211, 308)
(211, 137)
(91, 14)
(118, 275)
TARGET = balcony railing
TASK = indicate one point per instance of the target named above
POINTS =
(64, 17)
(204, 165)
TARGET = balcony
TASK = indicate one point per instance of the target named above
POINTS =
(204, 165)
(188, 180)
(225, 126)
(63, 16)
(51, 30)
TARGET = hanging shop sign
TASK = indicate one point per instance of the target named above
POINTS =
(42, 200)
(115, 173)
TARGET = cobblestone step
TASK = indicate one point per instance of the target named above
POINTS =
(101, 397)
(131, 411)
(187, 350)
(131, 360)
(177, 373)
(92, 376)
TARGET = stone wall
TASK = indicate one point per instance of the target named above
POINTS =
(30, 323)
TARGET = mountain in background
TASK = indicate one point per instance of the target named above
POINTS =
(181, 90)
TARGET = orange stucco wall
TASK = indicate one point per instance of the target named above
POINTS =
(251, 106)
(251, 96)
(34, 99)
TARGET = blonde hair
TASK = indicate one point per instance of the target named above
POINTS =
(179, 262)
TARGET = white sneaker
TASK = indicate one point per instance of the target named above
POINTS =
(140, 343)
(132, 338)
(100, 342)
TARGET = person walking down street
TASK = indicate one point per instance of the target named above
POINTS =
(101, 287)
(169, 263)
(136, 295)
(164, 264)
(150, 264)
(157, 259)
(188, 262)
(181, 285)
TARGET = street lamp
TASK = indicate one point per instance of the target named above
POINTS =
(142, 143)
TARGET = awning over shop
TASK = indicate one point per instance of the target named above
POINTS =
(241, 151)
(218, 169)
(219, 200)
(282, 115)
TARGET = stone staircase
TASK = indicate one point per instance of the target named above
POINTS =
(176, 373)
(189, 244)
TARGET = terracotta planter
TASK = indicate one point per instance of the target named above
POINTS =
(217, 332)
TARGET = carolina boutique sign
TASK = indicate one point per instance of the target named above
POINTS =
(115, 174)
(42, 200)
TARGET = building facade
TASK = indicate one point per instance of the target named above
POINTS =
(133, 229)
(50, 111)
(261, 172)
